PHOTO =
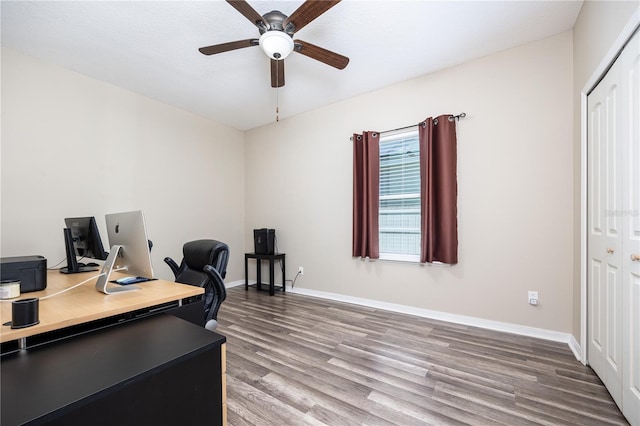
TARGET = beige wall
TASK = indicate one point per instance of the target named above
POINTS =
(515, 180)
(597, 27)
(73, 146)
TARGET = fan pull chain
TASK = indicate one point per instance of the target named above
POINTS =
(277, 88)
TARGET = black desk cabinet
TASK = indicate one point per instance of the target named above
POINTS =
(156, 371)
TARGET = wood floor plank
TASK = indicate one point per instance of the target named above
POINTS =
(419, 412)
(480, 415)
(299, 360)
(266, 408)
(374, 376)
(578, 409)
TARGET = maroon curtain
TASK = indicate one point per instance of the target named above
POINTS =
(366, 194)
(438, 190)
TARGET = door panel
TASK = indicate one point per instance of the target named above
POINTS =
(613, 277)
(596, 237)
(612, 155)
(595, 316)
(613, 323)
(595, 169)
(631, 378)
(605, 239)
(630, 218)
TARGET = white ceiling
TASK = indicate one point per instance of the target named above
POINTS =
(151, 47)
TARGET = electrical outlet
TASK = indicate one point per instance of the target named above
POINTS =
(300, 270)
(533, 298)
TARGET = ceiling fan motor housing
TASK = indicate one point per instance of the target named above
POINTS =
(275, 19)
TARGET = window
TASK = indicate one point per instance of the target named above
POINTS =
(411, 223)
(399, 215)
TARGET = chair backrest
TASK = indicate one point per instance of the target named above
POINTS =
(204, 264)
(206, 252)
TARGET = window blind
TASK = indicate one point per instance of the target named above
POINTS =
(399, 216)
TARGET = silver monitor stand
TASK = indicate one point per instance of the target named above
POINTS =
(102, 285)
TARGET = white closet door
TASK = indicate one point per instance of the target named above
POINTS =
(630, 70)
(605, 234)
(613, 277)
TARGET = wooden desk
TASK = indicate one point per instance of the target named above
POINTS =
(84, 304)
(126, 364)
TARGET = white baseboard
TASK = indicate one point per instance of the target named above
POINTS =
(539, 333)
(234, 283)
(576, 349)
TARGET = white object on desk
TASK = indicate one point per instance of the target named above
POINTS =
(102, 285)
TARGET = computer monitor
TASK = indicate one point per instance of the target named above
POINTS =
(82, 239)
(129, 249)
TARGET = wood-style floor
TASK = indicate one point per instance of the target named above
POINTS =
(298, 360)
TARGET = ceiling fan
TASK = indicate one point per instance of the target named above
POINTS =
(276, 36)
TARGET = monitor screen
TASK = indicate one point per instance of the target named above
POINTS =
(128, 230)
(82, 239)
(86, 238)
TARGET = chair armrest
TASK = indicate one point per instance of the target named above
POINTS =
(219, 290)
(173, 265)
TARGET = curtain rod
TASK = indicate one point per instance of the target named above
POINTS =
(435, 121)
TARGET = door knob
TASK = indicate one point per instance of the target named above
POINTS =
(635, 257)
(610, 250)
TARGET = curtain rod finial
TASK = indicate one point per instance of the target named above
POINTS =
(457, 117)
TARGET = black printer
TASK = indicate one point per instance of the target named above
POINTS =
(31, 271)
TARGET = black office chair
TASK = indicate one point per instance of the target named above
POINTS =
(204, 264)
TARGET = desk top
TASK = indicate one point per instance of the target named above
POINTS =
(85, 303)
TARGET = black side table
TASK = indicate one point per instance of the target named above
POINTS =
(259, 257)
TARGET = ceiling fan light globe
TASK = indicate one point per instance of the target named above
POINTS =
(276, 44)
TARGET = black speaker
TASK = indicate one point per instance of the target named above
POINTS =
(264, 240)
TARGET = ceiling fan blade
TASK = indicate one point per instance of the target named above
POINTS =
(248, 12)
(307, 12)
(323, 55)
(225, 47)
(277, 73)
